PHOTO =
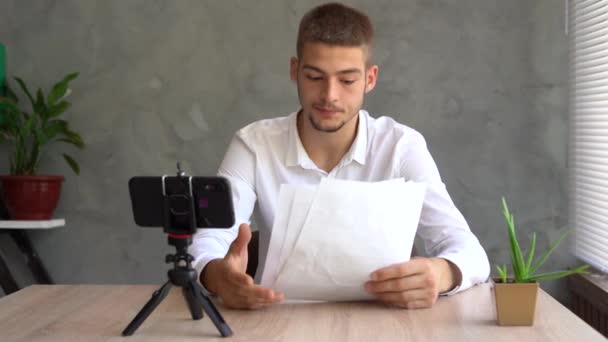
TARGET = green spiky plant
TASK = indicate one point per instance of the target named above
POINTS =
(524, 267)
(32, 130)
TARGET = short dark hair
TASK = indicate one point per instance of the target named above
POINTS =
(336, 24)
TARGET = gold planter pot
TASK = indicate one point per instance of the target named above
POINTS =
(515, 302)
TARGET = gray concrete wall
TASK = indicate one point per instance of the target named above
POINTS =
(483, 80)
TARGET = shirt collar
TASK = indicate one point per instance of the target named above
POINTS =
(296, 154)
(358, 150)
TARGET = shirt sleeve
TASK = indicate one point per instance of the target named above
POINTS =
(442, 228)
(238, 167)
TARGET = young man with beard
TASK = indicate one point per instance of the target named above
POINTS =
(331, 136)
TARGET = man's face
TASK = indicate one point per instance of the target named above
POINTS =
(332, 82)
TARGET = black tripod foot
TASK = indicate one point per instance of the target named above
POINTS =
(157, 297)
(208, 306)
(193, 302)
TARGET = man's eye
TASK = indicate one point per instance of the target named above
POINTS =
(314, 78)
(347, 82)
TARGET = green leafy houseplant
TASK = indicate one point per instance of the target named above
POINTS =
(31, 131)
(523, 266)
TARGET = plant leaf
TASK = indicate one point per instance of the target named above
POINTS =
(34, 158)
(73, 138)
(78, 144)
(558, 274)
(544, 257)
(40, 106)
(502, 272)
(25, 90)
(531, 253)
(58, 109)
(55, 127)
(519, 267)
(26, 129)
(19, 164)
(9, 105)
(499, 270)
(60, 88)
(73, 164)
(41, 136)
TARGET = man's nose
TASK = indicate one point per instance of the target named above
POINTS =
(330, 90)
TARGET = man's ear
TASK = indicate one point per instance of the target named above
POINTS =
(293, 68)
(371, 76)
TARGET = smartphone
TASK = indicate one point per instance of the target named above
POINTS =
(211, 199)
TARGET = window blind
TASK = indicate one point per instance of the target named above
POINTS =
(588, 141)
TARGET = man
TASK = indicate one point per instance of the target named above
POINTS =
(330, 136)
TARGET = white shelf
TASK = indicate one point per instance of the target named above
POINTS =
(23, 224)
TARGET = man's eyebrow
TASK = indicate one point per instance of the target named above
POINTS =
(341, 72)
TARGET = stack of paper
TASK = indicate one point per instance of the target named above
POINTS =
(327, 239)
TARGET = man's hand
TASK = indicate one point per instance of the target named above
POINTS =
(227, 278)
(413, 284)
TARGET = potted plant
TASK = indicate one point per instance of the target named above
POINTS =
(516, 296)
(27, 194)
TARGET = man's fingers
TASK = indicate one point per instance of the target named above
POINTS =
(251, 300)
(249, 297)
(255, 291)
(253, 304)
(391, 272)
(413, 284)
(400, 270)
(244, 288)
(396, 284)
(266, 301)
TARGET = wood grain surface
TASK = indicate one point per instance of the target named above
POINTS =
(101, 312)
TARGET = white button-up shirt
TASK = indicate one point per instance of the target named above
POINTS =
(268, 153)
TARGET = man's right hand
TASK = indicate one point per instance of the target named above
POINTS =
(227, 278)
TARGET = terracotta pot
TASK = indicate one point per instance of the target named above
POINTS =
(31, 197)
(515, 302)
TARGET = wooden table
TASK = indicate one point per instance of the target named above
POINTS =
(101, 312)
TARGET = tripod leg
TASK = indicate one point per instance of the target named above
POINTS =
(157, 297)
(193, 303)
(211, 310)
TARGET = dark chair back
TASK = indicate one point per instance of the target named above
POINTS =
(252, 253)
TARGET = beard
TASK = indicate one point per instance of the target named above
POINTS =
(321, 128)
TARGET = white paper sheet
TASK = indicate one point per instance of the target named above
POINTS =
(281, 220)
(352, 229)
(294, 203)
(302, 202)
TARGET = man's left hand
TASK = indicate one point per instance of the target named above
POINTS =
(413, 284)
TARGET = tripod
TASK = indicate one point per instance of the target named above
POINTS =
(184, 276)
